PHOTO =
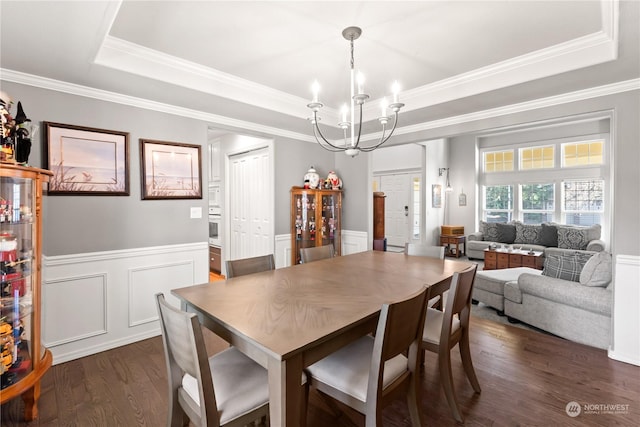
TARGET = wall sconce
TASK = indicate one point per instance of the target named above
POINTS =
(448, 189)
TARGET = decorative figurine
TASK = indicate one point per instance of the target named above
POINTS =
(312, 178)
(23, 136)
(336, 182)
(298, 227)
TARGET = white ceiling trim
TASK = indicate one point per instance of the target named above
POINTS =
(580, 95)
(117, 98)
(135, 59)
(585, 51)
(74, 89)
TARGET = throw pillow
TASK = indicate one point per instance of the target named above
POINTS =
(566, 267)
(489, 231)
(574, 237)
(597, 270)
(527, 234)
(548, 235)
(506, 233)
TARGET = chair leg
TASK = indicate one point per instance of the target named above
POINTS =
(413, 401)
(304, 404)
(446, 377)
(465, 355)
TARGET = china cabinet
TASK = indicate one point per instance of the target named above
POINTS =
(23, 360)
(315, 220)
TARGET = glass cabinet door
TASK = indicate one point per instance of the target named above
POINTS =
(315, 220)
(17, 237)
(331, 221)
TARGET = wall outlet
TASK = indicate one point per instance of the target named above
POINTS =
(196, 212)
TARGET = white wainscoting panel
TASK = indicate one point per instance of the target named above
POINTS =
(97, 301)
(88, 315)
(147, 281)
(282, 253)
(626, 310)
(352, 242)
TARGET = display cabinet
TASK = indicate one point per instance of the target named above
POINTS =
(24, 360)
(315, 220)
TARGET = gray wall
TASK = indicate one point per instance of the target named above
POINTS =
(81, 224)
(625, 134)
(87, 224)
(292, 160)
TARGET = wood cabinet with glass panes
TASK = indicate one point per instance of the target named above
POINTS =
(24, 360)
(316, 220)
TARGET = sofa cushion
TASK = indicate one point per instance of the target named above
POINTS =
(548, 235)
(576, 237)
(527, 233)
(489, 231)
(597, 270)
(506, 233)
(566, 267)
(594, 299)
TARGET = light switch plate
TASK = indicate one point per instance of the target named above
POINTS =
(196, 212)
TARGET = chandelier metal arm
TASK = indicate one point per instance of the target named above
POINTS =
(317, 132)
(359, 129)
(382, 138)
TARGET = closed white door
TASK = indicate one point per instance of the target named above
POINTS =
(397, 207)
(250, 204)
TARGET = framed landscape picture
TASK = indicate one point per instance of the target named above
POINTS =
(86, 161)
(436, 195)
(170, 170)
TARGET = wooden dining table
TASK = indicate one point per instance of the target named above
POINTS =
(287, 319)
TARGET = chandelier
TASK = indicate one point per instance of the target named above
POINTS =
(351, 146)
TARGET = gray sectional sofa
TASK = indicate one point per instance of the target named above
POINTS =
(570, 298)
(537, 237)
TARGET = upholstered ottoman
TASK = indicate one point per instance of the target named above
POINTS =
(489, 285)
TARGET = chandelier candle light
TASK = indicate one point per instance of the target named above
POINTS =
(352, 147)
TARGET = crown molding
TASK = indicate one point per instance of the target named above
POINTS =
(117, 98)
(589, 50)
(132, 58)
(551, 101)
(84, 91)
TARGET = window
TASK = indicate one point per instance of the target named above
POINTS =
(537, 203)
(563, 180)
(583, 202)
(498, 201)
(582, 153)
(498, 161)
(537, 157)
(416, 208)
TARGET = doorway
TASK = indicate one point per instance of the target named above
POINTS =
(250, 212)
(402, 207)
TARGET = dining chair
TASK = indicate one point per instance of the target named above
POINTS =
(444, 329)
(241, 267)
(420, 249)
(241, 393)
(316, 253)
(373, 371)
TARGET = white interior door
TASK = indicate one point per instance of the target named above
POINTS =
(250, 204)
(397, 207)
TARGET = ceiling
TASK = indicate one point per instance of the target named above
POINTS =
(250, 65)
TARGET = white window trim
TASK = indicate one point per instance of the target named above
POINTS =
(552, 176)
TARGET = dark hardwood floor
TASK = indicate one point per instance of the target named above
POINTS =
(527, 379)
